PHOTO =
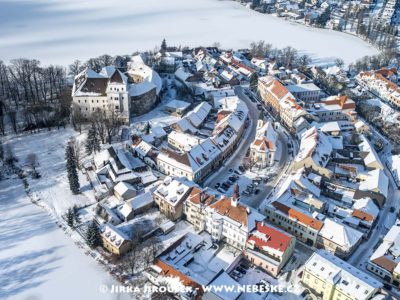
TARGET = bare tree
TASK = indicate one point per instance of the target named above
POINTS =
(75, 68)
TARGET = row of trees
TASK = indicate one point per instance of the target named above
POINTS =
(287, 57)
(33, 94)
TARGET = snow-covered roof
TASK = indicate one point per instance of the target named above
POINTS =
(372, 159)
(342, 235)
(123, 187)
(376, 181)
(140, 200)
(177, 104)
(149, 78)
(113, 235)
(367, 205)
(347, 278)
(316, 145)
(172, 190)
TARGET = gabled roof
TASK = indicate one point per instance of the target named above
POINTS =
(298, 216)
(267, 236)
(240, 213)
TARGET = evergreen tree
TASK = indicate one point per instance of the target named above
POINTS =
(77, 219)
(163, 47)
(92, 235)
(92, 141)
(72, 169)
(70, 218)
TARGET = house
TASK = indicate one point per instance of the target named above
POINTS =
(306, 92)
(263, 148)
(269, 248)
(378, 83)
(195, 205)
(384, 262)
(333, 108)
(301, 224)
(136, 205)
(124, 191)
(314, 153)
(170, 196)
(272, 92)
(338, 238)
(114, 240)
(176, 107)
(229, 221)
(369, 155)
(332, 278)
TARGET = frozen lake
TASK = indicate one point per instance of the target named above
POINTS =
(59, 31)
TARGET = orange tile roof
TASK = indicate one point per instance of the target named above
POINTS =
(169, 271)
(225, 208)
(362, 215)
(295, 214)
(385, 263)
(196, 194)
(275, 239)
(278, 89)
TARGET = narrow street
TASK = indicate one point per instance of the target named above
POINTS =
(236, 159)
(240, 152)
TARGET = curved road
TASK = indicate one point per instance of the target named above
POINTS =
(236, 159)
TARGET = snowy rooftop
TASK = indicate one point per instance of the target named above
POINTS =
(346, 277)
(172, 190)
(340, 234)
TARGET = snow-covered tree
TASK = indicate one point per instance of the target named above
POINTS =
(92, 141)
(75, 212)
(93, 235)
(71, 165)
(70, 218)
(163, 47)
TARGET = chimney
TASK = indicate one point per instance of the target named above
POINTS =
(235, 196)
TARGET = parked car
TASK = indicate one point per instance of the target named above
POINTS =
(230, 170)
(245, 193)
(244, 266)
(257, 191)
(238, 172)
(241, 270)
(241, 169)
(232, 178)
(217, 185)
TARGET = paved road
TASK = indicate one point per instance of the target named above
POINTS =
(362, 254)
(240, 152)
(236, 160)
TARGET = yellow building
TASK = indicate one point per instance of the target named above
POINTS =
(332, 278)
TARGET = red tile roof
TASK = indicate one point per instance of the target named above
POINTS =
(225, 208)
(295, 214)
(196, 195)
(275, 239)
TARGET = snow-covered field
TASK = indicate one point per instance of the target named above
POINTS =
(39, 261)
(59, 31)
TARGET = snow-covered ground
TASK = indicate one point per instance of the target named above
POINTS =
(39, 261)
(59, 31)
